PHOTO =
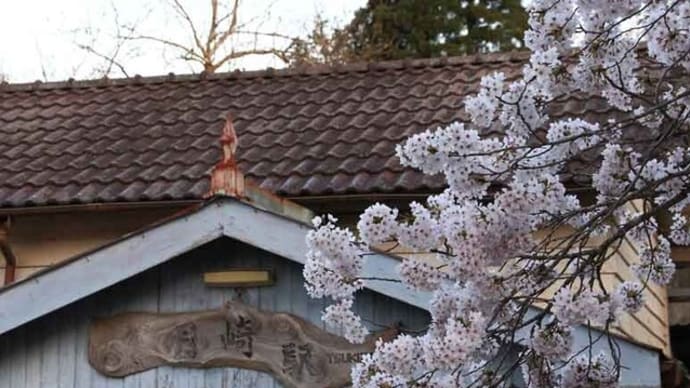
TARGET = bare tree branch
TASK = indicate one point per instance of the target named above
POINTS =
(227, 39)
(110, 59)
(185, 15)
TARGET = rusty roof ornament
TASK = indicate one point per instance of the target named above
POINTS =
(228, 141)
(226, 178)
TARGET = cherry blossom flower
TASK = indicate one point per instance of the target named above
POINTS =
(341, 316)
(600, 372)
(553, 341)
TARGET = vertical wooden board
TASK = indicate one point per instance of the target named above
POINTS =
(274, 298)
(67, 347)
(83, 370)
(284, 289)
(416, 320)
(182, 299)
(233, 375)
(213, 377)
(244, 259)
(50, 352)
(238, 378)
(166, 303)
(193, 299)
(314, 310)
(364, 307)
(32, 342)
(144, 296)
(5, 359)
(298, 298)
(268, 296)
(164, 378)
(218, 377)
(166, 294)
(384, 313)
(17, 375)
(290, 277)
(241, 257)
(215, 297)
(119, 297)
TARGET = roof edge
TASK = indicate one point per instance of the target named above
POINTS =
(97, 207)
(310, 70)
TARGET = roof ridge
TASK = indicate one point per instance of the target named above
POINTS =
(309, 70)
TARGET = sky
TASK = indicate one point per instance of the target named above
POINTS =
(40, 38)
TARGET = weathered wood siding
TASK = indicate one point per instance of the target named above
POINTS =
(52, 351)
(650, 325)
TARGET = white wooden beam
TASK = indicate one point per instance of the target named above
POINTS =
(106, 266)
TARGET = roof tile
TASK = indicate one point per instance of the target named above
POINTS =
(314, 131)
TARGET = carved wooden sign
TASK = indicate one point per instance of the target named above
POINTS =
(296, 352)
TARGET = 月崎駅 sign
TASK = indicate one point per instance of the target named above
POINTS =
(294, 351)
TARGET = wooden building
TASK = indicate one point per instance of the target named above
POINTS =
(116, 196)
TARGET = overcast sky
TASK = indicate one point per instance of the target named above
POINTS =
(39, 37)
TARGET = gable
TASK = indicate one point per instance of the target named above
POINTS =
(282, 237)
(91, 272)
(60, 352)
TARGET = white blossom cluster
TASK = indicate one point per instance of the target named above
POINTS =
(377, 224)
(583, 372)
(679, 230)
(585, 306)
(420, 275)
(631, 296)
(341, 316)
(333, 261)
(421, 232)
(656, 263)
(505, 189)
(554, 341)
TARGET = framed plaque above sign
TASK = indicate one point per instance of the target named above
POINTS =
(240, 277)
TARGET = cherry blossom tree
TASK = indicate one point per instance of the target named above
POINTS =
(493, 269)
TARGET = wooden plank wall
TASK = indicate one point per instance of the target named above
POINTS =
(649, 326)
(51, 351)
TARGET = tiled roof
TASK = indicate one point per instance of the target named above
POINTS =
(308, 132)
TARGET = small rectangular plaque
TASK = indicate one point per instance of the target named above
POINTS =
(240, 277)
